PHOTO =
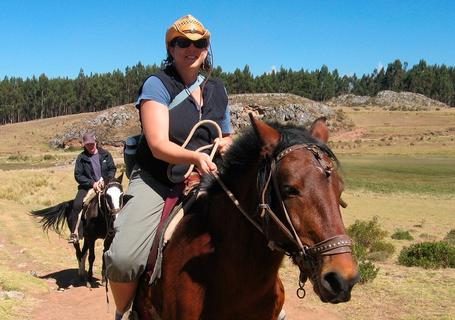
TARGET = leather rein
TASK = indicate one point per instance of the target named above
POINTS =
(304, 254)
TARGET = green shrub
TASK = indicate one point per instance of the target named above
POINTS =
(429, 255)
(368, 271)
(450, 237)
(18, 157)
(366, 233)
(72, 149)
(49, 157)
(359, 251)
(369, 246)
(402, 235)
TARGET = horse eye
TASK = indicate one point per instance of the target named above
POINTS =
(291, 191)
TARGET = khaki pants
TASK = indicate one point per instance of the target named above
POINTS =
(135, 227)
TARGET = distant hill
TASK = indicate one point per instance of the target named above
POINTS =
(390, 100)
(113, 125)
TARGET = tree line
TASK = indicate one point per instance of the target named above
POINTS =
(41, 97)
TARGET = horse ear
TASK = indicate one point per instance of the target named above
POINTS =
(126, 198)
(269, 136)
(319, 129)
(120, 178)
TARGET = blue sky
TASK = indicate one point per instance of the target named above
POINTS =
(60, 37)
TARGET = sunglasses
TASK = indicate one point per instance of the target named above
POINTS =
(185, 43)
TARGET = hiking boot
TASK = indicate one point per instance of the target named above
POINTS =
(74, 238)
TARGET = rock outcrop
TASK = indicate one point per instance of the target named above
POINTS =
(389, 100)
(112, 126)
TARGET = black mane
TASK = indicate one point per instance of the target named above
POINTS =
(245, 149)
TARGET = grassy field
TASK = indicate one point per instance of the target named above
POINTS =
(400, 174)
(399, 166)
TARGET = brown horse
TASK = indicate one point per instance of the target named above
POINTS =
(278, 193)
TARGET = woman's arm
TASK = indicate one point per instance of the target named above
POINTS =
(155, 123)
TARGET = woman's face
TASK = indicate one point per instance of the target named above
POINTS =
(191, 57)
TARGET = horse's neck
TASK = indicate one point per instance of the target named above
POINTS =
(92, 208)
(241, 243)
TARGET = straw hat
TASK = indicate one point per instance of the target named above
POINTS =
(188, 27)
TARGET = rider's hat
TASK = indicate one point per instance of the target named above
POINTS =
(187, 27)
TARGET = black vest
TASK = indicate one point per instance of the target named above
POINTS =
(182, 118)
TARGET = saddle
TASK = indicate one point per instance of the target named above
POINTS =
(176, 205)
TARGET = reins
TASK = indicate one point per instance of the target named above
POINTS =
(304, 255)
(110, 232)
(214, 147)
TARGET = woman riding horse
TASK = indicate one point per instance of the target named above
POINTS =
(171, 102)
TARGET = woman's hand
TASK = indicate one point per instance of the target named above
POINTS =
(203, 163)
(224, 144)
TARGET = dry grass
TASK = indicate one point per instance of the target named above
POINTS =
(32, 137)
(38, 188)
(405, 133)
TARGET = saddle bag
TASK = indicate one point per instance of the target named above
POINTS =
(129, 153)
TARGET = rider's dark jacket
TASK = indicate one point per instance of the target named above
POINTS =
(83, 171)
(182, 118)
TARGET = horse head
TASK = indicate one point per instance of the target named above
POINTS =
(113, 195)
(300, 207)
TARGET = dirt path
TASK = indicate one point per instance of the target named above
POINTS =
(84, 303)
(76, 301)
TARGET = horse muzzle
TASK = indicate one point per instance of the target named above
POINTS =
(336, 279)
(335, 288)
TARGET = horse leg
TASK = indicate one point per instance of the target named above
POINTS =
(91, 259)
(77, 247)
(80, 260)
(279, 312)
(83, 254)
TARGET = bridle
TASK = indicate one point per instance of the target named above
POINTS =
(111, 214)
(106, 203)
(305, 255)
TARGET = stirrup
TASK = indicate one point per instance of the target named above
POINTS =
(282, 315)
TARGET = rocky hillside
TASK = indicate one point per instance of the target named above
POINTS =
(112, 126)
(390, 100)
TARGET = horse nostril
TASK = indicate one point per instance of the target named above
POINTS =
(338, 287)
(332, 283)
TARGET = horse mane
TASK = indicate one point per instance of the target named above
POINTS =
(245, 149)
